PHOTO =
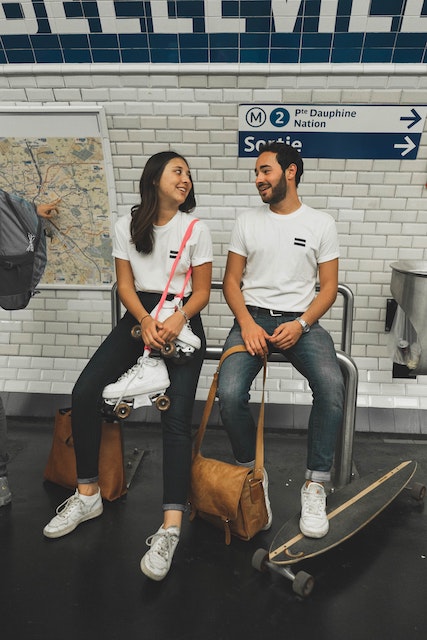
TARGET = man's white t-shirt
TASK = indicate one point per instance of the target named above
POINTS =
(282, 255)
(151, 272)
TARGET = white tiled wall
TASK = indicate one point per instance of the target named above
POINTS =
(379, 206)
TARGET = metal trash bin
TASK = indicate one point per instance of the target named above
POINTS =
(409, 289)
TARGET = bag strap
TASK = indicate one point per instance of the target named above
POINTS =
(259, 450)
(175, 263)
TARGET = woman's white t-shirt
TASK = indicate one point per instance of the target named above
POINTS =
(151, 272)
(282, 255)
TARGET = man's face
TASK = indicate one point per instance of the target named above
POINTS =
(270, 179)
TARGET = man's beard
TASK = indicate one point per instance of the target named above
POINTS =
(278, 193)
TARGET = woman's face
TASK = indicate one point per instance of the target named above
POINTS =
(175, 183)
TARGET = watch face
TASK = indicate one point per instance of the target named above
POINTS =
(305, 325)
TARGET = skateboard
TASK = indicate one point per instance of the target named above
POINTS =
(349, 510)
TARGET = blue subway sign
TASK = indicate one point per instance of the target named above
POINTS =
(377, 132)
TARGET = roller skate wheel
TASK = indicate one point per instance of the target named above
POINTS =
(136, 332)
(122, 410)
(169, 350)
(163, 403)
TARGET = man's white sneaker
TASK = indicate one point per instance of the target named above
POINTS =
(314, 522)
(157, 561)
(71, 513)
(148, 375)
(267, 502)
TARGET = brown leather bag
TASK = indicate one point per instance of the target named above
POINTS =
(61, 464)
(230, 497)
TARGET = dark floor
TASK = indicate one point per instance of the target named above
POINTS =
(88, 585)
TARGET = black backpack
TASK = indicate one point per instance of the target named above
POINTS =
(22, 251)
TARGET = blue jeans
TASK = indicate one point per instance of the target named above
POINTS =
(117, 353)
(315, 358)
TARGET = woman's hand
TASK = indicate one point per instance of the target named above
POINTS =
(172, 326)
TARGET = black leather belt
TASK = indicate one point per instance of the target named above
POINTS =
(273, 312)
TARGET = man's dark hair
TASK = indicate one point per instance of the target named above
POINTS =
(286, 155)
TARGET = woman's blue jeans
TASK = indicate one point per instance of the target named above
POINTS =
(315, 358)
(117, 353)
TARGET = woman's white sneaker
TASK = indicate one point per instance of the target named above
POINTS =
(72, 512)
(157, 561)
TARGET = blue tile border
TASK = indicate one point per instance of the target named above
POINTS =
(27, 33)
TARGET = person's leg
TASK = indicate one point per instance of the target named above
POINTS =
(177, 456)
(115, 355)
(5, 494)
(4, 457)
(234, 382)
(315, 357)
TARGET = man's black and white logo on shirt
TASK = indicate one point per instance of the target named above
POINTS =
(300, 242)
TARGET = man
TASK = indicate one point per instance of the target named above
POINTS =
(277, 252)
(44, 211)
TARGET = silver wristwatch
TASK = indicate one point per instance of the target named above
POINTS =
(304, 324)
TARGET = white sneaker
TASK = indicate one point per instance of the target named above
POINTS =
(267, 502)
(157, 561)
(71, 513)
(314, 522)
(148, 375)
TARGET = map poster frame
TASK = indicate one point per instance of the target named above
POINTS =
(50, 152)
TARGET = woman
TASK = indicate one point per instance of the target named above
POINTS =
(145, 244)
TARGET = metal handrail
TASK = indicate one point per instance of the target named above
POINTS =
(343, 462)
(346, 320)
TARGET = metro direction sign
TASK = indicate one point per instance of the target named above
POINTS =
(377, 132)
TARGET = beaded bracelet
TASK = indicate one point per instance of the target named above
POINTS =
(147, 315)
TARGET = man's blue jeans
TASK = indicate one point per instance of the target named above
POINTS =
(315, 358)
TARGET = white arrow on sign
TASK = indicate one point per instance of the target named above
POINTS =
(407, 147)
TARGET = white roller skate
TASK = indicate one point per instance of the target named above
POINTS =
(143, 384)
(185, 344)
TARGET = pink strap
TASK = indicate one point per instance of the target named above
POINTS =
(188, 274)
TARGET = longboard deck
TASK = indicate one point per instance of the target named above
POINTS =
(348, 510)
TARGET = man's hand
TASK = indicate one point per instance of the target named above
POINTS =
(255, 338)
(286, 335)
(47, 210)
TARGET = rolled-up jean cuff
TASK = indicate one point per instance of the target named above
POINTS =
(249, 464)
(317, 476)
(174, 507)
(88, 480)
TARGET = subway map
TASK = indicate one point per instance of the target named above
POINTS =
(42, 170)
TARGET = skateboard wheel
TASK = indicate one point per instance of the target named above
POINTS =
(259, 559)
(135, 332)
(163, 403)
(418, 491)
(122, 410)
(303, 584)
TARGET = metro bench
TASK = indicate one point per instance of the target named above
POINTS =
(344, 448)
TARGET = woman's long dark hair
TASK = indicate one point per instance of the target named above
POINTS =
(144, 214)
